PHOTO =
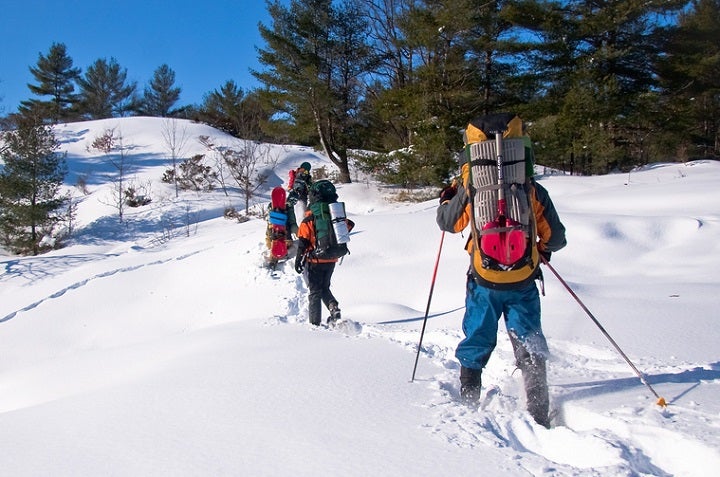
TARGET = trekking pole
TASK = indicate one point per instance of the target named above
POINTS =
(427, 308)
(660, 400)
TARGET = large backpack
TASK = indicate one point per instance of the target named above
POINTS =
(331, 234)
(499, 159)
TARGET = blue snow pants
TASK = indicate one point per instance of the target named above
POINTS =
(483, 308)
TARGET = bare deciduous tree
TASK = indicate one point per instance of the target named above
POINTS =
(218, 156)
(250, 165)
(108, 143)
(175, 139)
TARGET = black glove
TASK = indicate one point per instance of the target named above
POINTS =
(546, 255)
(448, 193)
(292, 198)
(299, 263)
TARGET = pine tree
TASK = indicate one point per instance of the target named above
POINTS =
(233, 111)
(601, 114)
(462, 67)
(55, 75)
(316, 56)
(388, 123)
(30, 200)
(104, 92)
(690, 78)
(161, 95)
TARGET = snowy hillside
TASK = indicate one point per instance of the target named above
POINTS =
(163, 347)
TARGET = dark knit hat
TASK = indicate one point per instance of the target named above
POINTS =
(306, 166)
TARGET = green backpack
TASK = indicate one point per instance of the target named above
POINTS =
(321, 194)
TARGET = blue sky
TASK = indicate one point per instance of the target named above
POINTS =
(206, 42)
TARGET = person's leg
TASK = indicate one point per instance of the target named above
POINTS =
(480, 328)
(534, 372)
(327, 297)
(315, 284)
(531, 351)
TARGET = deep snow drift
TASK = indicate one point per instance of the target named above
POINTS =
(161, 346)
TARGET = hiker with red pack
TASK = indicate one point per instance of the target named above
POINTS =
(512, 223)
(281, 226)
(299, 182)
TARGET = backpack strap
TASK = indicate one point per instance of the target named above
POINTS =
(469, 188)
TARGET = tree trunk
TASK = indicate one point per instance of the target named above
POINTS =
(340, 160)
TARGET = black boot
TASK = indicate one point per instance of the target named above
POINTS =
(334, 313)
(470, 384)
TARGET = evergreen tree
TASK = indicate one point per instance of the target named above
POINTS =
(601, 105)
(316, 57)
(690, 77)
(439, 98)
(30, 180)
(464, 65)
(104, 92)
(389, 123)
(55, 75)
(161, 95)
(460, 59)
(498, 50)
(546, 52)
(231, 110)
(223, 108)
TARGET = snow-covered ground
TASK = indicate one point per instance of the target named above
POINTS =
(163, 347)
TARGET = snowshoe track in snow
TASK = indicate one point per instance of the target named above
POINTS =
(52, 261)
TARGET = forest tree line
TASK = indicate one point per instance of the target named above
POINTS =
(601, 86)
